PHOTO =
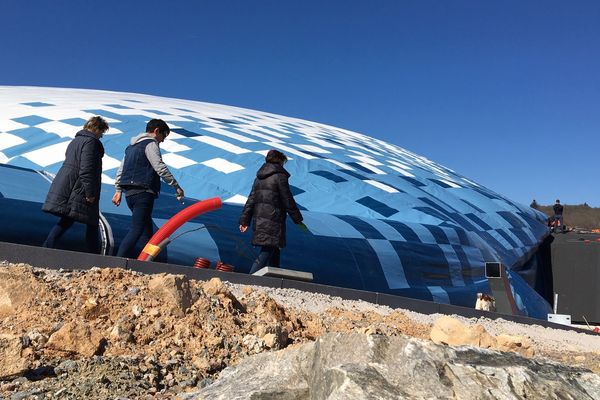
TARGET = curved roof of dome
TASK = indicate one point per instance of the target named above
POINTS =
(352, 185)
(361, 175)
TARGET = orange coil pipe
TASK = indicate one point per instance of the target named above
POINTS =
(152, 248)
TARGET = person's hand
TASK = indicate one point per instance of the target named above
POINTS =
(90, 200)
(302, 227)
(117, 198)
(179, 193)
(243, 228)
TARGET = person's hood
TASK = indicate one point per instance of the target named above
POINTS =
(87, 133)
(269, 169)
(141, 137)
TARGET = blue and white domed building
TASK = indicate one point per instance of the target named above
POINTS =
(381, 218)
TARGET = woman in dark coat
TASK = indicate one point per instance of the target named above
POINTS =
(267, 206)
(75, 191)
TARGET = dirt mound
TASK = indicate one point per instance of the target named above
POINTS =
(87, 334)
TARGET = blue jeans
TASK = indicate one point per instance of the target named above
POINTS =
(269, 256)
(141, 205)
(92, 235)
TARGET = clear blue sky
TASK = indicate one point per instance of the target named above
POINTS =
(504, 92)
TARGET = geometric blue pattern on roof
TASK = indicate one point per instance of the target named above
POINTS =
(296, 190)
(119, 106)
(78, 122)
(431, 211)
(438, 234)
(360, 167)
(486, 193)
(441, 183)
(512, 219)
(407, 233)
(31, 120)
(157, 112)
(478, 221)
(435, 205)
(37, 104)
(412, 181)
(377, 206)
(328, 175)
(354, 174)
(223, 120)
(508, 238)
(463, 222)
(185, 132)
(419, 228)
(473, 206)
(367, 230)
(34, 137)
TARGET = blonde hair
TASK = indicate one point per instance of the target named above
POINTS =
(96, 125)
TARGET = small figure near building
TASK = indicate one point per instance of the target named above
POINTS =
(485, 302)
(558, 216)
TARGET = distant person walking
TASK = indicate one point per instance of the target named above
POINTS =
(558, 215)
(75, 191)
(267, 207)
(139, 176)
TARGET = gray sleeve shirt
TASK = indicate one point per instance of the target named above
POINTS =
(153, 155)
(155, 159)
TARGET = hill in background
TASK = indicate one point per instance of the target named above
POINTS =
(578, 215)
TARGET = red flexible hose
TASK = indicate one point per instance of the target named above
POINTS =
(152, 249)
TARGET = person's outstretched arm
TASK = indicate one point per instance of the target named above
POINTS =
(118, 189)
(155, 158)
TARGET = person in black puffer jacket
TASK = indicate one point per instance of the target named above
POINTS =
(75, 191)
(267, 206)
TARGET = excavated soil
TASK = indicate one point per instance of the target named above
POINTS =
(110, 333)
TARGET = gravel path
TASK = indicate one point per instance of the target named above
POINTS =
(550, 338)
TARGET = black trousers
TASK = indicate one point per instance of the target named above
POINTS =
(141, 205)
(269, 256)
(92, 235)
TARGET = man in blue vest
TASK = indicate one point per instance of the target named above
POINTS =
(139, 176)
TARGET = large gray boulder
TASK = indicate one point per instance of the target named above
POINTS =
(356, 366)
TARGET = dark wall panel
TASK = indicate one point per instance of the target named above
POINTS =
(576, 275)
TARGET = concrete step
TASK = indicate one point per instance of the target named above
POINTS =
(284, 273)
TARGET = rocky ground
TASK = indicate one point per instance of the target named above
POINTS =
(112, 333)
